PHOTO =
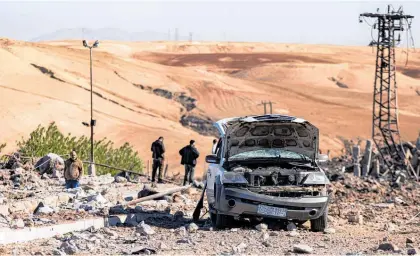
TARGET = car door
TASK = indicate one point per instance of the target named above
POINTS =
(212, 171)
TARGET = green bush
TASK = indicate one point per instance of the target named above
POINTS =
(50, 140)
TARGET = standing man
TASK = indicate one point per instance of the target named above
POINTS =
(73, 170)
(158, 156)
(189, 155)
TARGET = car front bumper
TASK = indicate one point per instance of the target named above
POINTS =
(246, 204)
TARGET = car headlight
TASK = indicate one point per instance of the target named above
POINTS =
(234, 178)
(316, 178)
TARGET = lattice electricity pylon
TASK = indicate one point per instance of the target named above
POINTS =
(385, 131)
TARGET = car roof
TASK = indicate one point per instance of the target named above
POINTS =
(263, 118)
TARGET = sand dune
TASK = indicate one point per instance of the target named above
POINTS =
(143, 90)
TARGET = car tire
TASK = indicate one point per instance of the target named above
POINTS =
(220, 221)
(320, 224)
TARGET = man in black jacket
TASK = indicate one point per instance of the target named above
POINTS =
(158, 156)
(189, 160)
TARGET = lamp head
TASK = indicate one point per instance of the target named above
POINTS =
(85, 43)
(95, 44)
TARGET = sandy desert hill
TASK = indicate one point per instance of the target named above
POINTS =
(175, 89)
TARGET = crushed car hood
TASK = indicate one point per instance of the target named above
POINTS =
(269, 131)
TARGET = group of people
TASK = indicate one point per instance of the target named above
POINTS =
(189, 155)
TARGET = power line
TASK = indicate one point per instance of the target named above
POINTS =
(385, 130)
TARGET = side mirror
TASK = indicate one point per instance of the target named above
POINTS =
(212, 159)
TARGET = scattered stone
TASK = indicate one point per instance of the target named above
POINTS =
(69, 248)
(240, 248)
(17, 223)
(261, 227)
(192, 228)
(145, 229)
(182, 231)
(302, 248)
(294, 233)
(409, 241)
(412, 251)
(45, 210)
(110, 232)
(267, 244)
(291, 226)
(120, 179)
(329, 231)
(387, 247)
(356, 218)
(184, 241)
(162, 246)
(390, 227)
(265, 236)
(58, 252)
(234, 230)
(98, 198)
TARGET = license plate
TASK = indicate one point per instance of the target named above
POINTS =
(271, 211)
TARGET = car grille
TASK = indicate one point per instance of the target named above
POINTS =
(259, 203)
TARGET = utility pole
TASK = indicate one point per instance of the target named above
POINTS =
(265, 103)
(91, 169)
(385, 130)
(191, 36)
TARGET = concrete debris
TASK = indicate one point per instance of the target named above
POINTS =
(145, 229)
(329, 231)
(261, 227)
(181, 231)
(265, 236)
(69, 247)
(302, 248)
(58, 252)
(240, 248)
(294, 233)
(120, 179)
(17, 223)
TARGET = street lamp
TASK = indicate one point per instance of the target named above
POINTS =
(91, 169)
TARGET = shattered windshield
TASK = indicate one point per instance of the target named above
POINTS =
(270, 153)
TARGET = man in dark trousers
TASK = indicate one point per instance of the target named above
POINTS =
(189, 160)
(158, 156)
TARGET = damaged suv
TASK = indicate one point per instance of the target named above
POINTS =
(266, 167)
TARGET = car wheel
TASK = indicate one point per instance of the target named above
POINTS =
(213, 217)
(220, 221)
(320, 224)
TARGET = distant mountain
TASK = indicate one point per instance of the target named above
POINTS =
(104, 34)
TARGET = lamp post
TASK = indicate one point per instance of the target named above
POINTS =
(91, 169)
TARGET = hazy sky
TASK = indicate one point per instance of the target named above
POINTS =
(327, 22)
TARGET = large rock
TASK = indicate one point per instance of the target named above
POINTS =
(261, 227)
(145, 229)
(192, 228)
(302, 248)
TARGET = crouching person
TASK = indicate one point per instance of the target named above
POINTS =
(73, 171)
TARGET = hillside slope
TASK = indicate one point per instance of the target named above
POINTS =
(144, 90)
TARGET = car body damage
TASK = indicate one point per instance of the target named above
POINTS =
(266, 166)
